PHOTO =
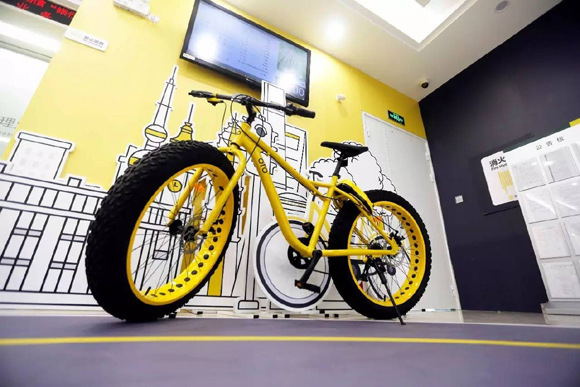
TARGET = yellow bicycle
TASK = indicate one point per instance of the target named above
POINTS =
(166, 223)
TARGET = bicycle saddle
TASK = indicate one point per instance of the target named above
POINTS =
(346, 150)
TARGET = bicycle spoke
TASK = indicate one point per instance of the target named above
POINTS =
(139, 266)
(401, 262)
(378, 293)
(161, 264)
(170, 259)
(395, 280)
(142, 244)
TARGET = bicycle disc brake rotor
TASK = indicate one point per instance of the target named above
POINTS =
(277, 266)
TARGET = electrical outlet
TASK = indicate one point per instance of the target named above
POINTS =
(459, 199)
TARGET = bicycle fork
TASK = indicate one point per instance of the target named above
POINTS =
(221, 199)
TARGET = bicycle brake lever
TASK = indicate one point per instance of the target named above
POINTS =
(214, 101)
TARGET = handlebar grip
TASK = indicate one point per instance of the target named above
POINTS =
(295, 110)
(305, 113)
(201, 94)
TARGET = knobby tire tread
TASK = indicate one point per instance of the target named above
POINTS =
(339, 266)
(110, 232)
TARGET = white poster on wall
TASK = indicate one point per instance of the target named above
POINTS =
(567, 197)
(546, 175)
(499, 180)
(528, 174)
(559, 165)
(562, 279)
(573, 228)
(549, 240)
(538, 205)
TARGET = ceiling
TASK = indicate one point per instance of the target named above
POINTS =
(432, 40)
(415, 22)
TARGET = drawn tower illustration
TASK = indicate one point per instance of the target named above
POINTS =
(155, 133)
(187, 128)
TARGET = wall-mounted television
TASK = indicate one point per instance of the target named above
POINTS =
(221, 40)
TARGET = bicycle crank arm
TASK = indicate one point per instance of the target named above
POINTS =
(312, 288)
(302, 283)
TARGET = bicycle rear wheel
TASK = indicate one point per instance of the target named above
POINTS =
(140, 265)
(407, 272)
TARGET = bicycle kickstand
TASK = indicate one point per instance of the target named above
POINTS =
(379, 268)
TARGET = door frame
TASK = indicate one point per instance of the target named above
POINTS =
(454, 290)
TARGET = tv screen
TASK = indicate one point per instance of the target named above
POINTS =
(221, 40)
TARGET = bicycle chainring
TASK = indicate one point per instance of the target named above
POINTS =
(297, 260)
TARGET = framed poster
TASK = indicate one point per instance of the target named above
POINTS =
(499, 179)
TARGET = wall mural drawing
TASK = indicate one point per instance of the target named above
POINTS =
(43, 225)
(366, 168)
(44, 218)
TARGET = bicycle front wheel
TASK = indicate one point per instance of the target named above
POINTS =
(142, 265)
(407, 272)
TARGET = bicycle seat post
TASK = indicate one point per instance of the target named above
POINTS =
(342, 162)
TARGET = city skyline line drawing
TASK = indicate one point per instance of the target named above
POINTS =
(44, 218)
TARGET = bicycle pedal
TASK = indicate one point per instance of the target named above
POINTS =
(306, 286)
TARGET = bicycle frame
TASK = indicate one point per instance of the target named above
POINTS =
(243, 138)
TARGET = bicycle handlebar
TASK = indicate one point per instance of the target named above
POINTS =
(289, 109)
(295, 110)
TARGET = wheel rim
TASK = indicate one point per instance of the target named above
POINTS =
(410, 263)
(164, 263)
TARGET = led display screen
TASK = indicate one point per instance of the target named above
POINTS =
(219, 39)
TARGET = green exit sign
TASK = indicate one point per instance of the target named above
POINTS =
(397, 118)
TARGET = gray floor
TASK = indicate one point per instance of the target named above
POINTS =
(282, 363)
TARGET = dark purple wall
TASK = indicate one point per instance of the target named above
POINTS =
(526, 88)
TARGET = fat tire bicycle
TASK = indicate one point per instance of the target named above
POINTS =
(166, 223)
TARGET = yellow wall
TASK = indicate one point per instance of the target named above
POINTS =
(101, 101)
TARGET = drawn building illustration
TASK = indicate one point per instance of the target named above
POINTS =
(43, 227)
(44, 219)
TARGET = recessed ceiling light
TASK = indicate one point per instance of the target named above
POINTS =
(502, 6)
(334, 30)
